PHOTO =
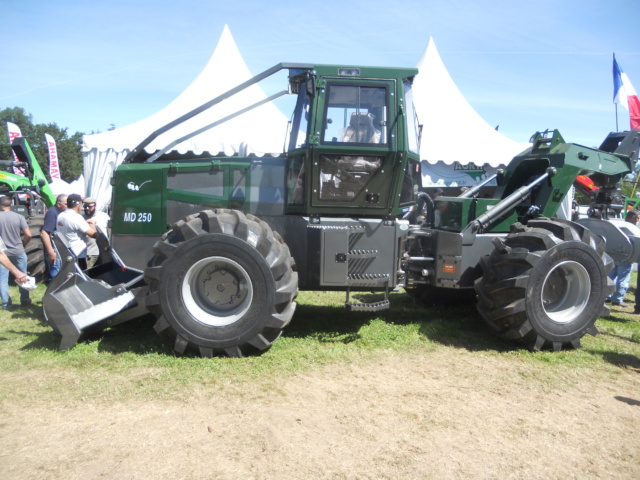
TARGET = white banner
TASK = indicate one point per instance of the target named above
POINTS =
(14, 131)
(54, 166)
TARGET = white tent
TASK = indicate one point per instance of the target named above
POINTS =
(458, 147)
(265, 126)
(60, 187)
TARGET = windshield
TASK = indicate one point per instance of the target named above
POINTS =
(298, 137)
(356, 114)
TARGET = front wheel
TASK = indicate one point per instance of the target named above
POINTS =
(545, 284)
(222, 282)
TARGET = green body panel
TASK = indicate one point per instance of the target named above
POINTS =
(564, 161)
(138, 196)
(143, 193)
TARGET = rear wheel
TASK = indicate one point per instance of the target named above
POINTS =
(36, 266)
(545, 284)
(222, 282)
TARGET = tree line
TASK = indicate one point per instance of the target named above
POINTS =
(69, 146)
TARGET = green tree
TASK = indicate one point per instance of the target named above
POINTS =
(69, 151)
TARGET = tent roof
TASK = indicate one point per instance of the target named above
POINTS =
(452, 130)
(265, 126)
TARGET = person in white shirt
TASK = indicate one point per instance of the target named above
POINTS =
(73, 228)
(101, 220)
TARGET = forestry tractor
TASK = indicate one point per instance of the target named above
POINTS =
(30, 194)
(217, 247)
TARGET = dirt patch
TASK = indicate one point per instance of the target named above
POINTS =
(448, 414)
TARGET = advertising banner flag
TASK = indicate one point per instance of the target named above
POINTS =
(14, 131)
(54, 165)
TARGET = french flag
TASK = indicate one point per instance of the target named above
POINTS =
(625, 95)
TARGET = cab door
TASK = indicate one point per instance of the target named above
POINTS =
(356, 147)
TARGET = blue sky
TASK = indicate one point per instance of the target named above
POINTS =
(524, 65)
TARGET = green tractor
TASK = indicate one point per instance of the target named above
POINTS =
(217, 248)
(31, 195)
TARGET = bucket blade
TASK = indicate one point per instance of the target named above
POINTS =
(76, 301)
(79, 303)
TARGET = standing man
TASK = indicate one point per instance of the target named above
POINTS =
(20, 277)
(12, 227)
(622, 270)
(100, 219)
(73, 228)
(50, 220)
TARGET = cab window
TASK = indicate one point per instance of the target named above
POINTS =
(355, 114)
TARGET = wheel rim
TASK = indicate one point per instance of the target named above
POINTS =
(217, 291)
(566, 291)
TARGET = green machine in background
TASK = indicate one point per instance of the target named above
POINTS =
(31, 195)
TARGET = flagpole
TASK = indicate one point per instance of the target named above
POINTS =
(615, 89)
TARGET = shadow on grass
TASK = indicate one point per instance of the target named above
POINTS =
(457, 325)
(327, 324)
(452, 325)
(136, 336)
(48, 340)
(612, 317)
(624, 360)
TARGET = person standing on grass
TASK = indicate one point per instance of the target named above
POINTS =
(15, 234)
(622, 270)
(72, 227)
(51, 256)
(101, 219)
(20, 277)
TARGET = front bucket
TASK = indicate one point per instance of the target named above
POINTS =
(77, 301)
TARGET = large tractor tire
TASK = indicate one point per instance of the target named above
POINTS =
(545, 284)
(222, 282)
(36, 266)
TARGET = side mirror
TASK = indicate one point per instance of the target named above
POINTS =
(311, 85)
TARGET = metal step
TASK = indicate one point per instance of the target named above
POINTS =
(367, 307)
(367, 279)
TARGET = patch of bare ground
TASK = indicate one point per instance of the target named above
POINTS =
(444, 414)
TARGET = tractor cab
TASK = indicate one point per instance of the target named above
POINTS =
(354, 145)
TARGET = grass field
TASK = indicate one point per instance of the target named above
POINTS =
(130, 360)
(410, 392)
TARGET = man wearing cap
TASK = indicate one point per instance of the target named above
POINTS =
(15, 233)
(72, 227)
(100, 219)
(50, 220)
